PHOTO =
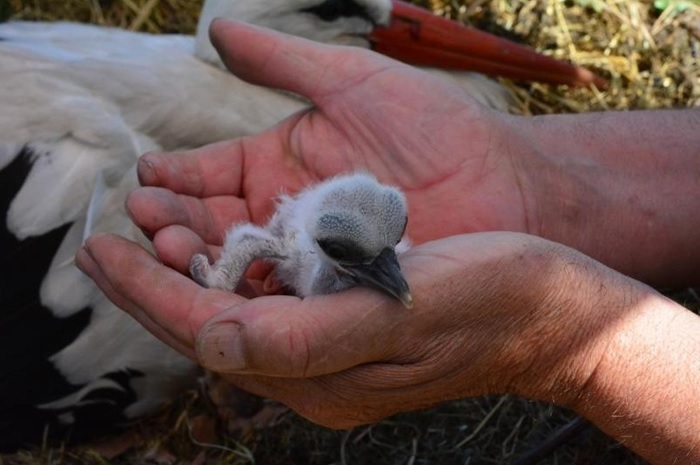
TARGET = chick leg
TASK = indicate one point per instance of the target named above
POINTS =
(244, 244)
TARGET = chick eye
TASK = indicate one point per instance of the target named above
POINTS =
(335, 250)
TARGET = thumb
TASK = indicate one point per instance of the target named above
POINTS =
(273, 59)
(290, 337)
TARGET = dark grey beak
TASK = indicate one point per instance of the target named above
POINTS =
(383, 274)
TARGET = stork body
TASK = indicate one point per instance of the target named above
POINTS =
(92, 108)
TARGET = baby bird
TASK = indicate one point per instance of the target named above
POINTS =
(341, 233)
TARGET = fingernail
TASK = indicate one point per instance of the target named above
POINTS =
(146, 161)
(86, 247)
(146, 169)
(219, 348)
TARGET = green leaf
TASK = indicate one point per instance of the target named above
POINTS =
(593, 4)
(678, 6)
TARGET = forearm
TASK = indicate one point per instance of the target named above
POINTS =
(621, 187)
(617, 352)
(645, 390)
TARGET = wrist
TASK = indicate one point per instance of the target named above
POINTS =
(644, 389)
(604, 184)
(617, 353)
(578, 306)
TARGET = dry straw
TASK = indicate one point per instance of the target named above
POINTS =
(651, 56)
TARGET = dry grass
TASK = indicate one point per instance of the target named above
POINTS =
(651, 58)
(157, 16)
(473, 431)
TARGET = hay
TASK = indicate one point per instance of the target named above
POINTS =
(650, 57)
(156, 16)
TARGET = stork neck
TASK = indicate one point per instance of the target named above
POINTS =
(328, 281)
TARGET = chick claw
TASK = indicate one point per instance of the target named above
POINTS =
(200, 269)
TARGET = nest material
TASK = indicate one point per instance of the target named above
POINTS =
(156, 16)
(648, 50)
(650, 56)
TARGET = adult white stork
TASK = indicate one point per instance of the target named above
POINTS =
(79, 105)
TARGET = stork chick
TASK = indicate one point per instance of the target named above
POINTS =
(331, 236)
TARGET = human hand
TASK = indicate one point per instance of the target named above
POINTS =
(493, 313)
(371, 113)
(588, 181)
(292, 348)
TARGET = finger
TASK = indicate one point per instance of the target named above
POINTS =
(287, 336)
(175, 245)
(277, 60)
(290, 337)
(214, 169)
(135, 281)
(87, 265)
(154, 208)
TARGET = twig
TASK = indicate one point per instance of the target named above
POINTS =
(565, 434)
(143, 15)
(481, 425)
(245, 453)
(414, 451)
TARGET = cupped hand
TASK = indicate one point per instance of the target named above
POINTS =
(493, 313)
(369, 113)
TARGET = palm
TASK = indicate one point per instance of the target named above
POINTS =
(407, 145)
(417, 132)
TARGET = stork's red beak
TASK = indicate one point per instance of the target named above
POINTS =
(419, 37)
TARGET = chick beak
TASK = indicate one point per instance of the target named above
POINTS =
(418, 37)
(383, 274)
